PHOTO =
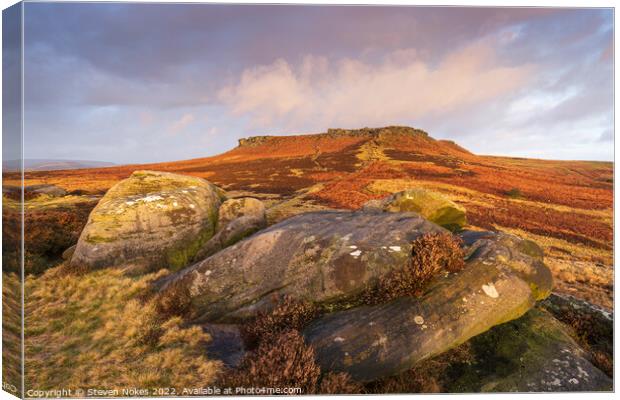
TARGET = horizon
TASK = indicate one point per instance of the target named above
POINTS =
(276, 135)
(106, 82)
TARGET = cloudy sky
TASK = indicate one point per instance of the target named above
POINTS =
(152, 82)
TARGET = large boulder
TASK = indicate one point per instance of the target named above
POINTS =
(238, 218)
(148, 221)
(320, 257)
(431, 205)
(502, 280)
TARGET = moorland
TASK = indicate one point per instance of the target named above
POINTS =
(565, 207)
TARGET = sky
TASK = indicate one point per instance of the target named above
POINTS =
(133, 83)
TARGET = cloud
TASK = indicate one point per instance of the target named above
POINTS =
(349, 92)
(266, 91)
(496, 80)
(180, 124)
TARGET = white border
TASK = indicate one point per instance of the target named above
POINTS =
(477, 3)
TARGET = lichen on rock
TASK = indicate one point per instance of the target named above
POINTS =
(148, 221)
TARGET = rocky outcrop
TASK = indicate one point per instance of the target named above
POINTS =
(254, 141)
(430, 205)
(320, 257)
(238, 218)
(376, 132)
(534, 353)
(370, 133)
(600, 321)
(148, 221)
(499, 283)
(331, 257)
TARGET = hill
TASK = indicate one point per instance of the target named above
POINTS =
(566, 206)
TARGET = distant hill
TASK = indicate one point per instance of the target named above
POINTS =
(35, 164)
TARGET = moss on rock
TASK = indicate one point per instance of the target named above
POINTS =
(430, 205)
(534, 353)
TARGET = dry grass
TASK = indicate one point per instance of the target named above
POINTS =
(339, 383)
(570, 226)
(562, 249)
(431, 254)
(461, 194)
(93, 331)
(11, 331)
